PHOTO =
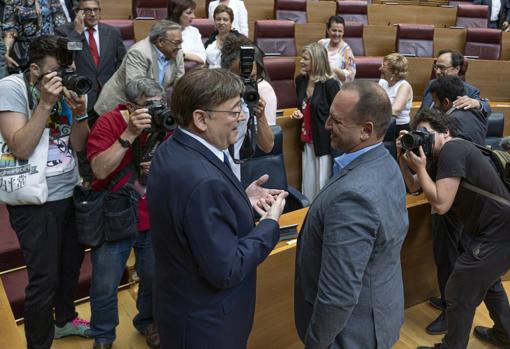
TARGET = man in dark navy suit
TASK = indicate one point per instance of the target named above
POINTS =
(206, 244)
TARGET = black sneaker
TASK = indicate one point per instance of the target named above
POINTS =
(438, 326)
(489, 335)
(436, 302)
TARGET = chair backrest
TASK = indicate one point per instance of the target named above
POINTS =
(205, 27)
(462, 72)
(353, 11)
(272, 164)
(281, 74)
(483, 43)
(472, 16)
(157, 9)
(495, 128)
(291, 10)
(389, 138)
(275, 36)
(126, 28)
(415, 40)
(367, 68)
(353, 35)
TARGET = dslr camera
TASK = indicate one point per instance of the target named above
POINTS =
(412, 140)
(162, 119)
(70, 79)
(74, 82)
(246, 60)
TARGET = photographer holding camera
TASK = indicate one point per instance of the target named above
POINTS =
(40, 117)
(484, 259)
(238, 54)
(115, 150)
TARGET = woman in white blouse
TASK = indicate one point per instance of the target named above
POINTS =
(394, 71)
(223, 17)
(240, 22)
(183, 12)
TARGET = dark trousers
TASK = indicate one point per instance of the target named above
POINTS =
(476, 278)
(447, 244)
(47, 236)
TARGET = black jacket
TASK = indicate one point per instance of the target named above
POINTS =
(214, 34)
(323, 95)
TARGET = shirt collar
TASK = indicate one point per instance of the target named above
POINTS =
(217, 152)
(161, 57)
(451, 110)
(96, 28)
(343, 160)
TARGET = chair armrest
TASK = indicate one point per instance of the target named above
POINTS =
(298, 197)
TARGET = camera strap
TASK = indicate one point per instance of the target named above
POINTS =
(485, 193)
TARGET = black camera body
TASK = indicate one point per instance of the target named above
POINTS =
(74, 82)
(419, 137)
(162, 119)
(246, 61)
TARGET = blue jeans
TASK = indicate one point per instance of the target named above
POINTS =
(108, 264)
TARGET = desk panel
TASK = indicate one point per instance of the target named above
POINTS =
(142, 28)
(393, 14)
(445, 38)
(379, 40)
(420, 69)
(491, 77)
(319, 12)
(308, 33)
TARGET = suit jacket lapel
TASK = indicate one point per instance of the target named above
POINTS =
(186, 140)
(155, 63)
(103, 46)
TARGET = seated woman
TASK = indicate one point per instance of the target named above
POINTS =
(240, 21)
(223, 17)
(316, 87)
(183, 12)
(341, 58)
(394, 70)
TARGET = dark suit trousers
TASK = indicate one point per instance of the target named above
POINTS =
(48, 239)
(476, 278)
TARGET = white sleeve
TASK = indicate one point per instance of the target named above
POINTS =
(242, 13)
(196, 47)
(212, 6)
(267, 93)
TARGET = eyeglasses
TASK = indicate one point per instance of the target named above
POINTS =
(234, 114)
(442, 68)
(89, 11)
(174, 43)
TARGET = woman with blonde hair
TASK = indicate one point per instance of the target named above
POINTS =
(394, 70)
(316, 87)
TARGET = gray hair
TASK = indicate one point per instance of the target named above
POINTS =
(143, 87)
(505, 143)
(159, 29)
(77, 3)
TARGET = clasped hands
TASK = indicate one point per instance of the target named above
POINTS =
(269, 203)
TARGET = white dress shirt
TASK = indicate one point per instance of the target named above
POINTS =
(192, 42)
(96, 37)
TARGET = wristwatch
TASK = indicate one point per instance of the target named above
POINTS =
(124, 143)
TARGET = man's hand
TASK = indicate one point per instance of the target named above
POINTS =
(398, 143)
(465, 102)
(145, 167)
(77, 103)
(259, 195)
(139, 120)
(296, 114)
(273, 211)
(51, 88)
(11, 63)
(260, 108)
(415, 162)
(79, 22)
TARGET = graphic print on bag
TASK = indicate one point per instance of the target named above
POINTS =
(13, 172)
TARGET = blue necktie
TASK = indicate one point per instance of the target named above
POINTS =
(226, 162)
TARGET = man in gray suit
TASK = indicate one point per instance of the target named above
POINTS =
(348, 287)
(158, 57)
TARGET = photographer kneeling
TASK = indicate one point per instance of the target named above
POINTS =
(478, 269)
(114, 152)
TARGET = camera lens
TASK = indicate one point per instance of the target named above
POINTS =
(410, 141)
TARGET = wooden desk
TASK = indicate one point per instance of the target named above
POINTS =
(9, 335)
(274, 313)
(393, 14)
(142, 27)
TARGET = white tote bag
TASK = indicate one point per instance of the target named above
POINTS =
(23, 182)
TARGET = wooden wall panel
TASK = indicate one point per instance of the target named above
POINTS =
(491, 77)
(116, 9)
(445, 38)
(308, 33)
(379, 40)
(392, 14)
(420, 69)
(319, 12)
